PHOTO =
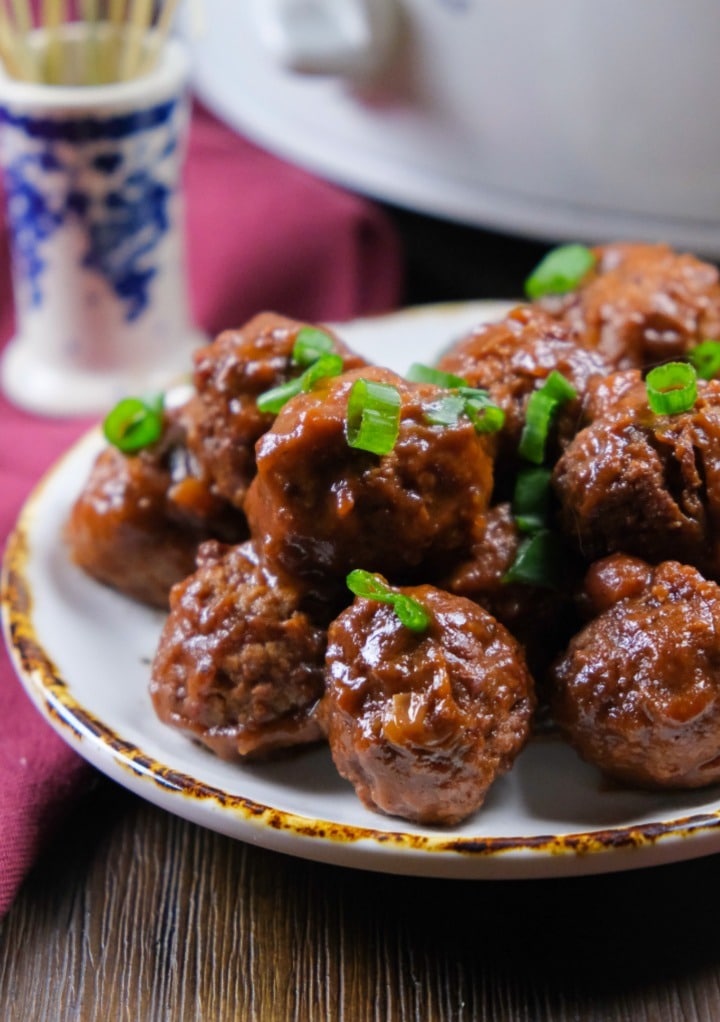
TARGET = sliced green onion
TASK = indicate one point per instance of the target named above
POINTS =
(445, 411)
(485, 416)
(409, 611)
(277, 397)
(134, 423)
(373, 416)
(311, 344)
(671, 388)
(538, 561)
(541, 410)
(326, 367)
(705, 356)
(419, 373)
(561, 270)
(531, 499)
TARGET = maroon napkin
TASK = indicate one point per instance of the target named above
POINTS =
(261, 234)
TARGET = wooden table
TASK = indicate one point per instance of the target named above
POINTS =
(134, 914)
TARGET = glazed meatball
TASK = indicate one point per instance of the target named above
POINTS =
(638, 690)
(513, 357)
(540, 617)
(229, 376)
(140, 518)
(606, 393)
(642, 304)
(320, 508)
(239, 665)
(646, 484)
(422, 724)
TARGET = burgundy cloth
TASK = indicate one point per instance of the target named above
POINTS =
(261, 234)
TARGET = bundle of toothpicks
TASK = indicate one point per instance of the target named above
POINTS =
(83, 42)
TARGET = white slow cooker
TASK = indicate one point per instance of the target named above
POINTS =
(557, 119)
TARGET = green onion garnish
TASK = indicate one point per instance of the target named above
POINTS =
(323, 368)
(134, 423)
(531, 499)
(446, 410)
(560, 271)
(373, 416)
(409, 611)
(311, 344)
(419, 373)
(541, 409)
(671, 388)
(705, 356)
(538, 561)
(485, 416)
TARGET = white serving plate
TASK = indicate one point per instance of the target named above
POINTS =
(83, 652)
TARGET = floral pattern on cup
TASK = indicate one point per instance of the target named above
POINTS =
(112, 174)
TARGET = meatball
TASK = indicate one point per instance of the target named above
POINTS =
(229, 376)
(513, 357)
(422, 724)
(140, 518)
(646, 484)
(320, 508)
(606, 393)
(540, 617)
(239, 665)
(638, 690)
(642, 304)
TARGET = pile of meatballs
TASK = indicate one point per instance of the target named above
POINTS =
(244, 525)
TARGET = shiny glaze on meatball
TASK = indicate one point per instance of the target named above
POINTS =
(320, 508)
(422, 724)
(642, 304)
(140, 518)
(646, 484)
(230, 374)
(638, 690)
(239, 665)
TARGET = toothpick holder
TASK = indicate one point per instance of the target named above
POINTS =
(92, 177)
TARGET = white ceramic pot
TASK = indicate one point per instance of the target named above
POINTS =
(554, 119)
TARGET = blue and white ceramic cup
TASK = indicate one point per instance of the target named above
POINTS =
(92, 180)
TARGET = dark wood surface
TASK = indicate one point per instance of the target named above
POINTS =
(134, 914)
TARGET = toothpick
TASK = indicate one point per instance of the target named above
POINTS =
(7, 46)
(52, 19)
(140, 16)
(19, 39)
(158, 37)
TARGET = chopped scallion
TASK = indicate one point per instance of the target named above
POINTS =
(373, 416)
(560, 271)
(409, 611)
(531, 498)
(419, 373)
(484, 415)
(310, 344)
(705, 356)
(671, 388)
(134, 423)
(445, 411)
(277, 397)
(538, 561)
(541, 409)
